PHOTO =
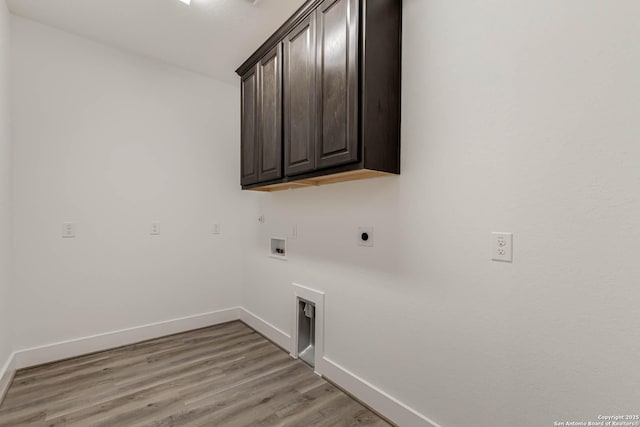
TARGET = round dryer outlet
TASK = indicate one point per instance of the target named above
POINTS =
(365, 236)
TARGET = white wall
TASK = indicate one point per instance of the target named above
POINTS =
(113, 141)
(517, 116)
(5, 188)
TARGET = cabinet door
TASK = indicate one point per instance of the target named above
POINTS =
(249, 129)
(270, 116)
(337, 83)
(299, 98)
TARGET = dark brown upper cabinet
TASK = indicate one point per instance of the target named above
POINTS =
(321, 97)
(337, 83)
(300, 98)
(270, 116)
(261, 133)
(249, 134)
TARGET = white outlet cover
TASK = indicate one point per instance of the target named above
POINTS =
(294, 232)
(502, 247)
(365, 240)
(68, 230)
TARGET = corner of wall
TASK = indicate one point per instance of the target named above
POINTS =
(6, 279)
(7, 371)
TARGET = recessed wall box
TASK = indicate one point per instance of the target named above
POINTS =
(278, 248)
(307, 331)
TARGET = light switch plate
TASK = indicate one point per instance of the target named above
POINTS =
(68, 230)
(217, 229)
(502, 247)
(155, 228)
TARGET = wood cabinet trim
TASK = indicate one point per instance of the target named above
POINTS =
(354, 175)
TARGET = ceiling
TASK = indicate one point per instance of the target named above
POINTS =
(211, 37)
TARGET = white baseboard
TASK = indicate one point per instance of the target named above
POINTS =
(388, 406)
(6, 375)
(276, 335)
(77, 347)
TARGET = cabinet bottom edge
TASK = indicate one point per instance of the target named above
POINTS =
(323, 180)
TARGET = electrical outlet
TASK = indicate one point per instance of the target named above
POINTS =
(502, 247)
(365, 236)
(294, 232)
(68, 230)
(216, 229)
(155, 228)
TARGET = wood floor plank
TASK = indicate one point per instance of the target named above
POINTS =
(224, 375)
(130, 358)
(158, 397)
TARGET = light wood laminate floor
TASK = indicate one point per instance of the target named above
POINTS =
(225, 375)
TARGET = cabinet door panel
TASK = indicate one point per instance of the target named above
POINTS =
(337, 83)
(299, 98)
(249, 140)
(269, 116)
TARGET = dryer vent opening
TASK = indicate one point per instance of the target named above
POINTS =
(306, 331)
